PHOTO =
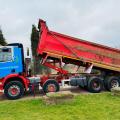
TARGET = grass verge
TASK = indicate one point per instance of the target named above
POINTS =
(101, 106)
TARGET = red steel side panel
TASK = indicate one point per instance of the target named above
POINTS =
(65, 46)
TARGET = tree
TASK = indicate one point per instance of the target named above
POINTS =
(34, 39)
(2, 39)
(34, 42)
(38, 68)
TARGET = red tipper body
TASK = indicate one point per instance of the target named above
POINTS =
(62, 46)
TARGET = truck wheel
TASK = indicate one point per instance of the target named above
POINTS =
(111, 82)
(95, 84)
(14, 90)
(51, 86)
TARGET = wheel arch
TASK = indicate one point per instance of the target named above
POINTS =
(16, 77)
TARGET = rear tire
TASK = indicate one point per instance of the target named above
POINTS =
(51, 86)
(111, 82)
(14, 90)
(95, 84)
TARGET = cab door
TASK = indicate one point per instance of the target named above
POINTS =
(6, 61)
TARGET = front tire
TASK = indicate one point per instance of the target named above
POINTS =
(14, 90)
(51, 86)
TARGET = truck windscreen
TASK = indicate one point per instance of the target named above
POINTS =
(5, 54)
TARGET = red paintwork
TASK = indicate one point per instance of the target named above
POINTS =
(1, 88)
(55, 68)
(60, 45)
(44, 78)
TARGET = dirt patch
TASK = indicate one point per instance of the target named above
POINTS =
(57, 98)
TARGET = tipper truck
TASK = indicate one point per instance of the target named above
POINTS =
(55, 50)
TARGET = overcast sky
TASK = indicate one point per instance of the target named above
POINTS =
(93, 20)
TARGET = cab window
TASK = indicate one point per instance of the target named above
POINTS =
(5, 54)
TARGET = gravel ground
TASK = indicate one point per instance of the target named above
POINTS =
(39, 93)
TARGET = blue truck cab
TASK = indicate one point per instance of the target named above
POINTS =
(11, 59)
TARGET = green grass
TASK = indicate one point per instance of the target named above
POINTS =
(84, 107)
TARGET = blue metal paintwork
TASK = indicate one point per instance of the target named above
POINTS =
(14, 66)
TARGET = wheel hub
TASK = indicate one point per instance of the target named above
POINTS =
(14, 90)
(51, 88)
(114, 83)
(96, 85)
